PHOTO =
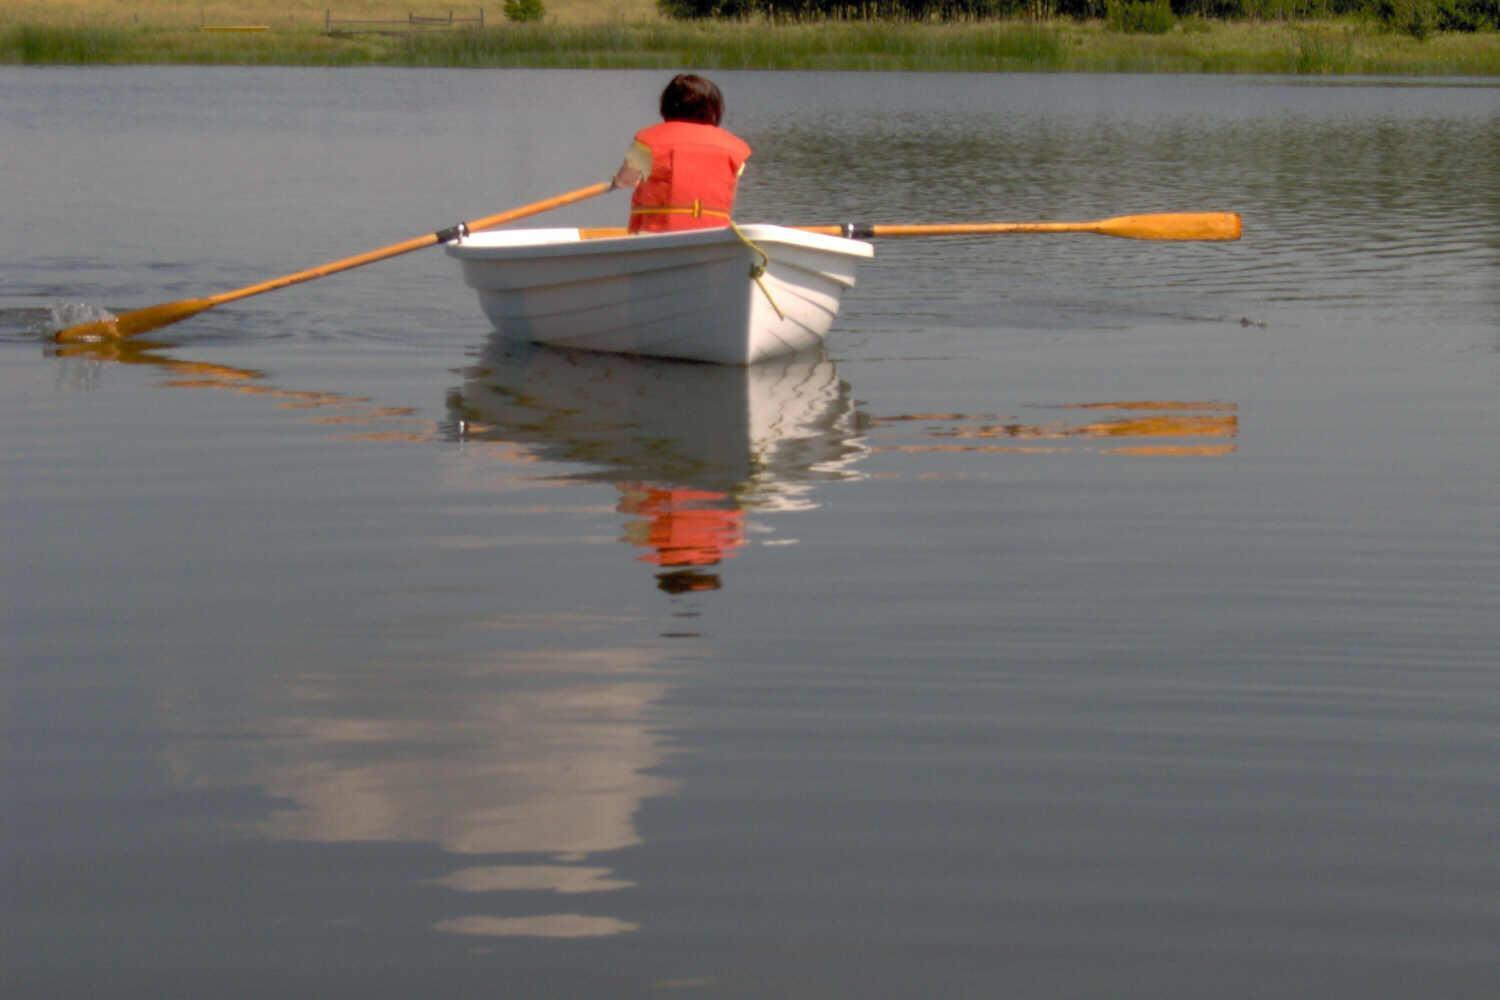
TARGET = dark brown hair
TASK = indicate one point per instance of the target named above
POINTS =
(690, 98)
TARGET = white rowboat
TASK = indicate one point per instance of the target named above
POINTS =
(731, 296)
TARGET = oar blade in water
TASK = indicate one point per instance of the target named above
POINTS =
(137, 321)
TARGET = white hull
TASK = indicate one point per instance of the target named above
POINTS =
(687, 295)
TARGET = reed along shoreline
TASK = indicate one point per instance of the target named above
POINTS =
(1193, 46)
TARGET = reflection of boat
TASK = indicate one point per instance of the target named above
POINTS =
(730, 295)
(690, 447)
(761, 435)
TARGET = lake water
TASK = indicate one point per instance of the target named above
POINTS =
(1097, 618)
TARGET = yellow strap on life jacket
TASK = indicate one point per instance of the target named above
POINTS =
(696, 210)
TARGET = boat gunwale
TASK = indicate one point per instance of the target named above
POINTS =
(510, 244)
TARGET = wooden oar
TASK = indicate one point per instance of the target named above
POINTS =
(1161, 226)
(153, 317)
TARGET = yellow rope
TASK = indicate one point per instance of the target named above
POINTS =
(757, 271)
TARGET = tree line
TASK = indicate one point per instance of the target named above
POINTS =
(1416, 17)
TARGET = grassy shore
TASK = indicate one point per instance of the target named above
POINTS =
(629, 34)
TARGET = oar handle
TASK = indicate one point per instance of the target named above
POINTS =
(415, 243)
(537, 207)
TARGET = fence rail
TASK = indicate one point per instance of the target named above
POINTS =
(412, 22)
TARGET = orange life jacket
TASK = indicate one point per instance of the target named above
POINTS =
(694, 170)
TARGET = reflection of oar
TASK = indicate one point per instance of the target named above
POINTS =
(1161, 226)
(150, 318)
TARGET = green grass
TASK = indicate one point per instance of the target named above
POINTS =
(1192, 46)
(109, 45)
(49, 44)
(661, 46)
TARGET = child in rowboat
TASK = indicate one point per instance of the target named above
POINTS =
(685, 169)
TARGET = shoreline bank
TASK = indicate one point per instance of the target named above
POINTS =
(1335, 48)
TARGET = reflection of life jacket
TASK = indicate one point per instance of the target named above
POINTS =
(682, 527)
(694, 170)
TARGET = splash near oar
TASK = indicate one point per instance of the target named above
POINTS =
(138, 321)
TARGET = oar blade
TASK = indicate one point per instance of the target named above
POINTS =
(1209, 226)
(135, 322)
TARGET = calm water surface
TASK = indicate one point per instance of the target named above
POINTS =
(1096, 618)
